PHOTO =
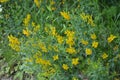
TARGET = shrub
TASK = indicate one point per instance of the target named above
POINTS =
(67, 40)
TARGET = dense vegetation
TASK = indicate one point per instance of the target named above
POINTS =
(60, 39)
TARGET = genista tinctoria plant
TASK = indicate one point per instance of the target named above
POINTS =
(62, 39)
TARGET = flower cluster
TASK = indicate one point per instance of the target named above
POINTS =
(27, 20)
(3, 1)
(87, 18)
(111, 38)
(65, 15)
(37, 2)
(14, 43)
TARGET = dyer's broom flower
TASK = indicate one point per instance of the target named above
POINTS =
(65, 15)
(111, 38)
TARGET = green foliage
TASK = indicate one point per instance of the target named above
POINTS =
(61, 39)
(96, 71)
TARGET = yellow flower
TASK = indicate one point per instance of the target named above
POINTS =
(83, 16)
(14, 43)
(26, 32)
(94, 44)
(38, 60)
(84, 42)
(53, 31)
(28, 59)
(46, 29)
(52, 2)
(59, 39)
(33, 24)
(55, 57)
(87, 18)
(70, 37)
(65, 15)
(71, 50)
(47, 63)
(69, 33)
(75, 61)
(47, 72)
(36, 28)
(37, 2)
(90, 20)
(65, 67)
(27, 20)
(88, 51)
(74, 78)
(43, 47)
(70, 41)
(93, 36)
(55, 48)
(37, 55)
(111, 38)
(2, 1)
(50, 47)
(104, 56)
(43, 62)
